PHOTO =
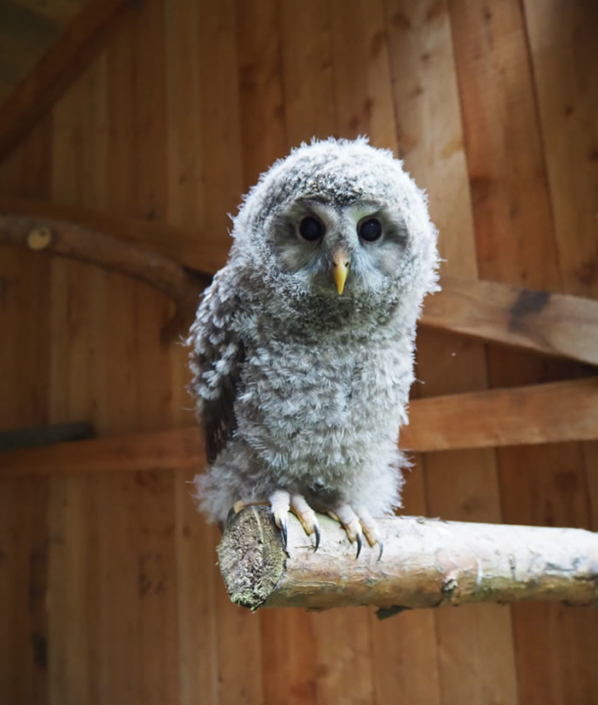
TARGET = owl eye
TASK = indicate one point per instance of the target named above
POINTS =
(311, 228)
(370, 229)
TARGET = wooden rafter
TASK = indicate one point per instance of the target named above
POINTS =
(552, 324)
(540, 413)
(60, 66)
(561, 411)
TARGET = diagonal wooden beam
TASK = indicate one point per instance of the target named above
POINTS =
(548, 413)
(552, 324)
(81, 41)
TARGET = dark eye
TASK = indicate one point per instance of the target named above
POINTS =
(370, 229)
(311, 228)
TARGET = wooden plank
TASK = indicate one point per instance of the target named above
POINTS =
(24, 537)
(564, 55)
(431, 141)
(238, 680)
(549, 323)
(62, 64)
(362, 83)
(72, 561)
(156, 553)
(118, 660)
(545, 413)
(517, 245)
(196, 572)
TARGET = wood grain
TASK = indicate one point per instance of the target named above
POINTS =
(171, 123)
(62, 64)
(24, 535)
(549, 323)
(562, 48)
(458, 485)
(547, 413)
(510, 188)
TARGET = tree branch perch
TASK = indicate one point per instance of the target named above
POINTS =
(426, 563)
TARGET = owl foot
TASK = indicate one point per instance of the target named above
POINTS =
(282, 502)
(358, 524)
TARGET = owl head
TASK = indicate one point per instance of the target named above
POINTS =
(340, 224)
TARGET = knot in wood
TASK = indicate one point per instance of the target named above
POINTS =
(39, 238)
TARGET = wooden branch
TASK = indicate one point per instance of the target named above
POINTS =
(60, 66)
(561, 411)
(542, 413)
(65, 239)
(185, 247)
(426, 563)
(553, 324)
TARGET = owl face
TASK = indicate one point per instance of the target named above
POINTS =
(340, 221)
(338, 248)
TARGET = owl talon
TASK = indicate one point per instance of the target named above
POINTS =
(307, 517)
(318, 537)
(284, 533)
(381, 549)
(359, 544)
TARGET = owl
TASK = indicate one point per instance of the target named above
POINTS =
(303, 346)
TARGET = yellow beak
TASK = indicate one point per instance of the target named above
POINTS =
(340, 268)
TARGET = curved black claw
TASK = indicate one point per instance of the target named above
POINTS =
(318, 537)
(230, 516)
(381, 550)
(284, 534)
(359, 544)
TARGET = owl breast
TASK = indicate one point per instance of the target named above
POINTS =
(318, 416)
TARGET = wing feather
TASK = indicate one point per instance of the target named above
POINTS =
(217, 359)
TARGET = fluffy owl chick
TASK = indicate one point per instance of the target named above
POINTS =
(303, 345)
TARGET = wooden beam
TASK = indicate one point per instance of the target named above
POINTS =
(60, 66)
(426, 563)
(543, 413)
(177, 449)
(77, 242)
(38, 436)
(554, 324)
(548, 323)
(548, 413)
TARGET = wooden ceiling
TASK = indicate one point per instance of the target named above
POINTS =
(27, 30)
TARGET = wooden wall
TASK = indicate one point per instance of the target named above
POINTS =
(109, 592)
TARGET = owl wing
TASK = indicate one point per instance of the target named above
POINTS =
(217, 358)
